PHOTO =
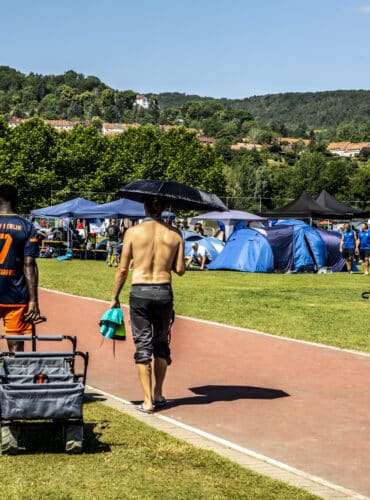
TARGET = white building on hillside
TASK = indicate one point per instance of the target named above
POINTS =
(142, 101)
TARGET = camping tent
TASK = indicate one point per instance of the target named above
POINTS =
(303, 207)
(341, 210)
(281, 240)
(334, 257)
(289, 246)
(309, 248)
(229, 218)
(66, 209)
(246, 250)
(118, 209)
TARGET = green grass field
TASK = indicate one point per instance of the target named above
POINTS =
(126, 459)
(325, 308)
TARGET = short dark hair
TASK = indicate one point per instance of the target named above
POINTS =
(154, 205)
(9, 193)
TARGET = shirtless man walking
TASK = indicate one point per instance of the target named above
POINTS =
(156, 249)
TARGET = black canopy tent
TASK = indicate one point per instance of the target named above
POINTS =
(342, 211)
(303, 207)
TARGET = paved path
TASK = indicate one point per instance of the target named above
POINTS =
(304, 405)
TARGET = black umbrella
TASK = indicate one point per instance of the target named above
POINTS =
(176, 195)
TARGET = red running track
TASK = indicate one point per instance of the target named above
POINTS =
(304, 405)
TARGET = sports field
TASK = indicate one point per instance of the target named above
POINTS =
(325, 308)
(127, 459)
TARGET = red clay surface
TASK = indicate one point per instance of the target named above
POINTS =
(304, 405)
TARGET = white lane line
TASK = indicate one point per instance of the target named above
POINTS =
(240, 449)
(230, 327)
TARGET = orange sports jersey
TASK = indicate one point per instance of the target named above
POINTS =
(18, 239)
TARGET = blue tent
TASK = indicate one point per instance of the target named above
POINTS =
(334, 257)
(66, 209)
(245, 250)
(118, 209)
(309, 248)
(281, 239)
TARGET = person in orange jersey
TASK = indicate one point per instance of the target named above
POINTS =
(19, 247)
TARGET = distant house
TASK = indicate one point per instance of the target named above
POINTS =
(245, 145)
(287, 143)
(347, 149)
(112, 128)
(141, 101)
(61, 125)
(14, 122)
(206, 140)
(57, 124)
(355, 148)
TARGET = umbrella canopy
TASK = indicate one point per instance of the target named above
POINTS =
(230, 215)
(230, 218)
(303, 207)
(67, 209)
(341, 210)
(118, 209)
(176, 195)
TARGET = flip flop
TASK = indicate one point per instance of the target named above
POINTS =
(144, 410)
(161, 403)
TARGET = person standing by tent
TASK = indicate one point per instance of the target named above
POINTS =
(348, 244)
(19, 246)
(363, 245)
(156, 249)
(113, 233)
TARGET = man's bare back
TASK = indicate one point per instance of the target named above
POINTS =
(156, 249)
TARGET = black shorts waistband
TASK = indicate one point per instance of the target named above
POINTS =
(151, 286)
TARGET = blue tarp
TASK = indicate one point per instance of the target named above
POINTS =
(245, 250)
(66, 209)
(118, 209)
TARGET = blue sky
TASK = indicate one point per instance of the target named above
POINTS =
(218, 48)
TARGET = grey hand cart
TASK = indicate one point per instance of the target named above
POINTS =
(42, 385)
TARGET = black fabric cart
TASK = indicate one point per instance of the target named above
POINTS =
(38, 385)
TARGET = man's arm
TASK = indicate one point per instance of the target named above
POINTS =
(203, 262)
(179, 261)
(32, 278)
(357, 242)
(341, 243)
(122, 271)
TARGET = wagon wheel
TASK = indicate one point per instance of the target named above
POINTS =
(74, 433)
(9, 439)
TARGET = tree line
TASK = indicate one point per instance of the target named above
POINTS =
(41, 161)
(50, 167)
(259, 180)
